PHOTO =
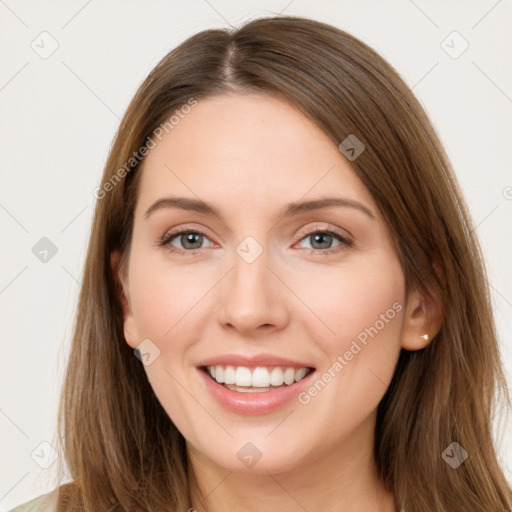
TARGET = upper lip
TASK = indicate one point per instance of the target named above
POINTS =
(262, 359)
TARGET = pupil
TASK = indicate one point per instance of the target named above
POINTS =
(318, 238)
(189, 238)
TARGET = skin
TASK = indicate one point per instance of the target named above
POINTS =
(248, 155)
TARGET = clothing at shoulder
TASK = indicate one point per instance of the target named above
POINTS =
(44, 503)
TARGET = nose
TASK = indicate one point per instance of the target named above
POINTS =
(253, 297)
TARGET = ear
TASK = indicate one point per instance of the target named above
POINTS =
(122, 292)
(423, 317)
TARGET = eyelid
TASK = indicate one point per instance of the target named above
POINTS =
(326, 227)
(302, 232)
(187, 229)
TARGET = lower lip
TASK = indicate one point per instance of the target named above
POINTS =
(253, 403)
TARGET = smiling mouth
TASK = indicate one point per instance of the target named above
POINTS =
(255, 380)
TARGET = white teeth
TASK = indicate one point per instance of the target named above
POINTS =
(229, 375)
(219, 374)
(300, 374)
(259, 377)
(289, 376)
(276, 377)
(242, 376)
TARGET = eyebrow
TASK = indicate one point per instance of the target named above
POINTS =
(289, 210)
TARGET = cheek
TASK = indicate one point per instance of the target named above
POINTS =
(364, 306)
(365, 310)
(164, 298)
(352, 298)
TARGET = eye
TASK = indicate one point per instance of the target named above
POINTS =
(321, 241)
(191, 241)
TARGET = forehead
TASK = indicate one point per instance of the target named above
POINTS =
(257, 147)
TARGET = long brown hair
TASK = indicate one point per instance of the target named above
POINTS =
(123, 451)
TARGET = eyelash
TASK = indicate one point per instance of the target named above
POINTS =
(168, 238)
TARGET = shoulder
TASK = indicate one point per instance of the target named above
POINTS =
(44, 503)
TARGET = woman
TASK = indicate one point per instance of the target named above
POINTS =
(357, 372)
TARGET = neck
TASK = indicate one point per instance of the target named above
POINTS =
(341, 478)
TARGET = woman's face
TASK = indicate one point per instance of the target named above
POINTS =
(262, 278)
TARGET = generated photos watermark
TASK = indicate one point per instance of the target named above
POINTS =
(342, 361)
(137, 156)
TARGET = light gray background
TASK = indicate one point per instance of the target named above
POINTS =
(59, 116)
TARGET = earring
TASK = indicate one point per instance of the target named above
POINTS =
(424, 337)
